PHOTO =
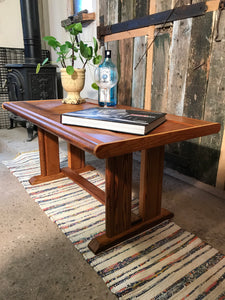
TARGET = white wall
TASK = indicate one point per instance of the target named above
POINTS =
(11, 33)
(51, 13)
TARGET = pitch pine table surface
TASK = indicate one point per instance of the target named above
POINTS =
(102, 143)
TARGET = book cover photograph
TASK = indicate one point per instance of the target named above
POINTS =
(121, 120)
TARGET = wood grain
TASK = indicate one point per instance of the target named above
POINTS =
(118, 187)
(198, 68)
(126, 72)
(139, 72)
(160, 71)
(103, 143)
(86, 185)
(151, 177)
(126, 12)
(76, 157)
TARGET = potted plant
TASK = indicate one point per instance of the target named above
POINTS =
(72, 78)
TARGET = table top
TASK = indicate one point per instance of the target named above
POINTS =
(103, 143)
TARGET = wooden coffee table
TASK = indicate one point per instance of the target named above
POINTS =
(117, 149)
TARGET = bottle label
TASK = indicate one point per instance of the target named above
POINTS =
(105, 75)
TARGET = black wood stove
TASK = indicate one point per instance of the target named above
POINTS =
(22, 81)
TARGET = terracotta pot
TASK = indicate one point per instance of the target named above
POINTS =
(73, 85)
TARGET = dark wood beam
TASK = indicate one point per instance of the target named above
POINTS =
(179, 13)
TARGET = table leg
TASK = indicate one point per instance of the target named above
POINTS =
(118, 189)
(151, 179)
(118, 198)
(76, 157)
(49, 158)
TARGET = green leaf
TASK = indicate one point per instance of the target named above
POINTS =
(38, 68)
(70, 70)
(54, 44)
(45, 61)
(48, 38)
(74, 29)
(75, 26)
(68, 44)
(90, 54)
(95, 45)
(97, 59)
(86, 51)
(95, 86)
(82, 48)
(64, 49)
(78, 27)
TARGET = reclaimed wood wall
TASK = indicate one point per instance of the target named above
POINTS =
(182, 74)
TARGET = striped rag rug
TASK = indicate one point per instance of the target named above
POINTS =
(165, 262)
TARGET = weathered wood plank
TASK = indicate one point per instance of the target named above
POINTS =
(103, 10)
(125, 65)
(141, 8)
(204, 163)
(215, 101)
(126, 10)
(112, 19)
(178, 65)
(113, 11)
(125, 71)
(198, 66)
(139, 72)
(179, 53)
(139, 59)
(160, 71)
(162, 5)
(150, 99)
(157, 81)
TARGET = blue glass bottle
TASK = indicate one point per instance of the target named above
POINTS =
(113, 91)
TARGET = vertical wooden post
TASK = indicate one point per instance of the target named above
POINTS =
(42, 152)
(49, 153)
(76, 157)
(52, 154)
(152, 162)
(49, 158)
(118, 187)
(70, 8)
(149, 60)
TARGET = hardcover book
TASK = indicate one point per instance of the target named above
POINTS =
(121, 120)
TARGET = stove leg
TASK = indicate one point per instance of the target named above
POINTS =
(30, 131)
(12, 123)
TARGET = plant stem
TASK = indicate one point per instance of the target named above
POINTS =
(63, 63)
(73, 43)
(85, 63)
